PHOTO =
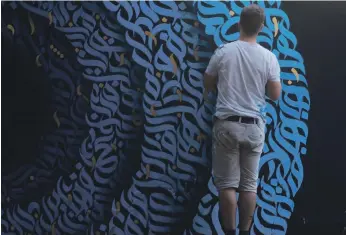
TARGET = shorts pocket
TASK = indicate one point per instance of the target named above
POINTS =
(258, 148)
(256, 139)
(224, 140)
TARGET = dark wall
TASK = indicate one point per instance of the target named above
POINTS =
(26, 105)
(321, 31)
(90, 147)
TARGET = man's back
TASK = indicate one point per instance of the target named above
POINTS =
(243, 71)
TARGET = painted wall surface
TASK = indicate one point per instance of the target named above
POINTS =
(127, 149)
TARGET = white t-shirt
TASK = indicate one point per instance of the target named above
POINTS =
(243, 70)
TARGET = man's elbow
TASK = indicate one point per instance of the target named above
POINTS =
(209, 82)
(275, 95)
(274, 90)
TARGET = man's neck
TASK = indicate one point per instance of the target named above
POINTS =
(248, 39)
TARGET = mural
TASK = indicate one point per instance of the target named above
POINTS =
(131, 150)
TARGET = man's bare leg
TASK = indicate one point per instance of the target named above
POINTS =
(228, 209)
(247, 205)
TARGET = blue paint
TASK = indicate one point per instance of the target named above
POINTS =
(139, 60)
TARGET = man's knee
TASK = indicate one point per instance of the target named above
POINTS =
(246, 188)
(248, 184)
(248, 179)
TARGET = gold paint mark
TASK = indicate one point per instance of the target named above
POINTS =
(231, 13)
(276, 26)
(158, 74)
(76, 49)
(37, 60)
(36, 215)
(56, 119)
(201, 137)
(93, 160)
(86, 98)
(11, 28)
(97, 16)
(12, 228)
(53, 228)
(69, 196)
(174, 167)
(195, 53)
(88, 212)
(50, 17)
(114, 147)
(289, 82)
(118, 207)
(79, 91)
(122, 59)
(105, 38)
(152, 36)
(152, 110)
(136, 221)
(196, 24)
(147, 173)
(70, 24)
(192, 150)
(294, 71)
(179, 115)
(175, 66)
(179, 92)
(32, 26)
(164, 19)
(101, 85)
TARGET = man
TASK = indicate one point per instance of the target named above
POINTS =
(244, 73)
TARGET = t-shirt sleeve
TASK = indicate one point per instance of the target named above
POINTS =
(213, 65)
(274, 69)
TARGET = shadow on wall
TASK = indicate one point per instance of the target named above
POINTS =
(26, 105)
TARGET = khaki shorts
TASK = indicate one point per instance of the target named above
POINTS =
(237, 148)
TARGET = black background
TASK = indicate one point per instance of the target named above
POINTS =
(320, 28)
(27, 114)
